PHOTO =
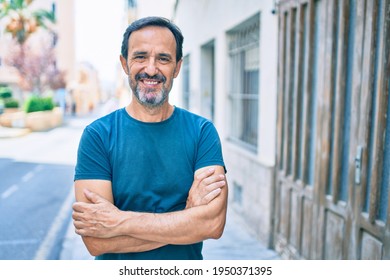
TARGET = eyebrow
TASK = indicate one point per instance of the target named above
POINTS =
(138, 53)
(167, 55)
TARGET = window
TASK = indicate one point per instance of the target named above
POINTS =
(244, 72)
(131, 3)
(54, 9)
(186, 82)
(208, 80)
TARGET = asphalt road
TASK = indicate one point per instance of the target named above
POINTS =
(36, 193)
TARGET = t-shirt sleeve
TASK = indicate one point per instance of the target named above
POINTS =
(209, 147)
(92, 157)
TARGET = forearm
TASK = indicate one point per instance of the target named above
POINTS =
(181, 227)
(203, 218)
(118, 244)
(203, 221)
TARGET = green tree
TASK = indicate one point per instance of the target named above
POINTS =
(21, 21)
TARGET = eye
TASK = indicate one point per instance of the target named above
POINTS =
(139, 57)
(164, 59)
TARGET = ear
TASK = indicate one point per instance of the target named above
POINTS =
(124, 64)
(177, 69)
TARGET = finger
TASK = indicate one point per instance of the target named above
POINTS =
(78, 224)
(214, 186)
(82, 208)
(77, 231)
(85, 227)
(213, 179)
(83, 224)
(90, 231)
(204, 174)
(93, 197)
(78, 216)
(211, 196)
(78, 207)
(81, 232)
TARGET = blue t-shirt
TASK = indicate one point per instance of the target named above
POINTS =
(151, 166)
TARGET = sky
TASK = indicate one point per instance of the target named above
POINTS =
(99, 35)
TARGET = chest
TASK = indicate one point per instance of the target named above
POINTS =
(152, 171)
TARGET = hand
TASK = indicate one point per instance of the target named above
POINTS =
(99, 218)
(205, 188)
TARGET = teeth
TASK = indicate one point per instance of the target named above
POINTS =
(150, 82)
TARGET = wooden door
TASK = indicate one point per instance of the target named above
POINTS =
(333, 138)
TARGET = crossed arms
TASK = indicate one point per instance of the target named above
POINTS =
(106, 229)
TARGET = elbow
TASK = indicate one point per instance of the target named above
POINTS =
(216, 229)
(94, 252)
(92, 246)
(217, 233)
(216, 225)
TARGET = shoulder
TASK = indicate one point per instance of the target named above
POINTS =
(192, 118)
(197, 127)
(103, 129)
(106, 123)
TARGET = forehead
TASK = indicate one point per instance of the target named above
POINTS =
(152, 37)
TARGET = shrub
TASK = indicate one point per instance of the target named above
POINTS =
(47, 103)
(11, 103)
(5, 92)
(35, 104)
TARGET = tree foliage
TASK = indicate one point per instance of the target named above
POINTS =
(21, 21)
(36, 65)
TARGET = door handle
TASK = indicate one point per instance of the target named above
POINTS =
(358, 165)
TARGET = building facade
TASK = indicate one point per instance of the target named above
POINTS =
(299, 91)
(229, 75)
(332, 171)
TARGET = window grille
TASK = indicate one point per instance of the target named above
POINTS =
(244, 72)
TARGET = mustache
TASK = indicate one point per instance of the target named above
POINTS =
(157, 77)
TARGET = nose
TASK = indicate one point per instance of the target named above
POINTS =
(151, 68)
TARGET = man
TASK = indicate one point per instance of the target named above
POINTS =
(149, 179)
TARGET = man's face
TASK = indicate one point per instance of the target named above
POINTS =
(151, 64)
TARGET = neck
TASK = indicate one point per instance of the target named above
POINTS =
(146, 114)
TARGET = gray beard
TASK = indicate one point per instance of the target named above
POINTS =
(154, 102)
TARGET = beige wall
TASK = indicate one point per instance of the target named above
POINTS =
(163, 8)
(65, 27)
(205, 20)
(66, 41)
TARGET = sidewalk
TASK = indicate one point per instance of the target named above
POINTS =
(6, 132)
(235, 244)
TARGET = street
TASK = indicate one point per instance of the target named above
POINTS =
(36, 191)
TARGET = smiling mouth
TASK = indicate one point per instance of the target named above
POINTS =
(148, 82)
